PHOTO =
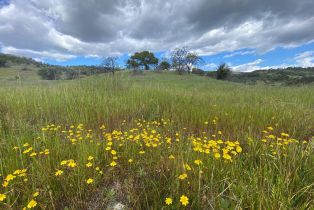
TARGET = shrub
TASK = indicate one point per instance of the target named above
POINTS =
(50, 73)
(223, 72)
(198, 71)
(2, 62)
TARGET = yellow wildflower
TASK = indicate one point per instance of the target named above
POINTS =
(58, 173)
(33, 154)
(217, 155)
(168, 201)
(113, 163)
(46, 151)
(184, 200)
(226, 156)
(2, 197)
(89, 181)
(171, 157)
(63, 162)
(198, 162)
(89, 164)
(5, 184)
(9, 177)
(71, 163)
(187, 167)
(183, 176)
(26, 145)
(32, 204)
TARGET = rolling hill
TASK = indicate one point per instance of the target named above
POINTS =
(15, 68)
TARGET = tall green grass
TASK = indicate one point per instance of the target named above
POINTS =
(253, 181)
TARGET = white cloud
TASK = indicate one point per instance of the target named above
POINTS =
(248, 67)
(247, 52)
(209, 66)
(113, 27)
(255, 65)
(38, 55)
(305, 59)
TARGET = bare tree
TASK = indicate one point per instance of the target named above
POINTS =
(178, 59)
(183, 60)
(192, 60)
(110, 63)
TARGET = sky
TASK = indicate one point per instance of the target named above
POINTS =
(245, 34)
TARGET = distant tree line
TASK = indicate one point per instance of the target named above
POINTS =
(72, 72)
(180, 60)
(6, 59)
(2, 62)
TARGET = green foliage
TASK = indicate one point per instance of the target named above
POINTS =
(198, 71)
(223, 72)
(211, 74)
(132, 64)
(18, 60)
(288, 76)
(71, 72)
(164, 65)
(50, 73)
(2, 62)
(144, 60)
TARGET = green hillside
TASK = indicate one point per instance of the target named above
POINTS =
(25, 70)
(288, 76)
(17, 69)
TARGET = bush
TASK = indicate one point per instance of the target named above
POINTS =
(72, 74)
(164, 65)
(223, 72)
(2, 62)
(198, 71)
(50, 73)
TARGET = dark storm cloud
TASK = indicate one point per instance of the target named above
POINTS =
(67, 28)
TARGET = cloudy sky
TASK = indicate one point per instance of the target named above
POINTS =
(247, 34)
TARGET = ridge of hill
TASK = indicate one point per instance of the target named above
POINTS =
(22, 68)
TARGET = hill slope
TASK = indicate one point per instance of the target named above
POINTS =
(15, 68)
(288, 76)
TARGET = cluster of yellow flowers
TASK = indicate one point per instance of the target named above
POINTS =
(17, 173)
(78, 133)
(184, 200)
(51, 127)
(9, 179)
(32, 203)
(279, 143)
(125, 146)
(144, 136)
(217, 148)
(27, 149)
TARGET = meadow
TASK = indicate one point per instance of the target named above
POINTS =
(157, 141)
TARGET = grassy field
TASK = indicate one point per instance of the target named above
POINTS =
(158, 141)
(16, 74)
